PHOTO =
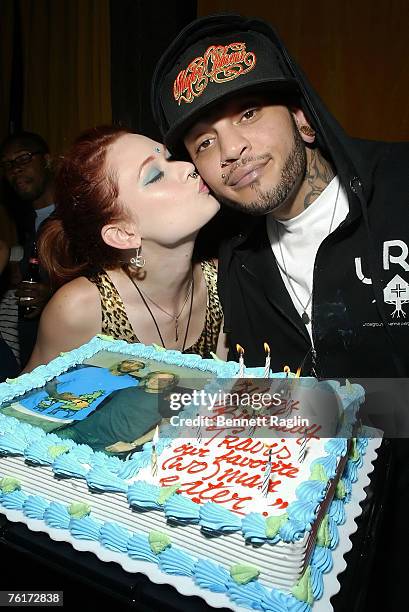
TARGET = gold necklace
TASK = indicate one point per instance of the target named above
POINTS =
(145, 296)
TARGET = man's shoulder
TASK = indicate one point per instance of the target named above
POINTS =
(381, 153)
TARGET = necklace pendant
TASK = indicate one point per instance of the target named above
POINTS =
(305, 318)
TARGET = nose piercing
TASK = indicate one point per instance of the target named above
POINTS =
(194, 175)
(223, 176)
(223, 164)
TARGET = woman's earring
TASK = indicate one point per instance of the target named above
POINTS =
(139, 260)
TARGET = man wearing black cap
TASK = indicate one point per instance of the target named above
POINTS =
(321, 269)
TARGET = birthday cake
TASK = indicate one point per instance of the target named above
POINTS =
(124, 446)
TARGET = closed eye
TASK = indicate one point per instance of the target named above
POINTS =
(153, 176)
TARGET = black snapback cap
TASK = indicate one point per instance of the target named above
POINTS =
(214, 58)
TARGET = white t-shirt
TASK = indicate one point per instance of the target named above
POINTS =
(300, 239)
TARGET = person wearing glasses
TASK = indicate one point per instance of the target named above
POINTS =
(25, 164)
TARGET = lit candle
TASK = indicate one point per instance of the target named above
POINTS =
(267, 475)
(303, 450)
(154, 454)
(240, 351)
(286, 371)
(267, 364)
(298, 373)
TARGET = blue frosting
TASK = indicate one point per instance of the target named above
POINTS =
(317, 582)
(247, 595)
(329, 464)
(254, 529)
(102, 479)
(37, 453)
(82, 453)
(292, 531)
(210, 576)
(182, 510)
(337, 447)
(14, 500)
(129, 469)
(312, 490)
(176, 562)
(68, 465)
(302, 512)
(275, 601)
(143, 496)
(215, 518)
(13, 443)
(322, 559)
(35, 506)
(139, 548)
(85, 528)
(337, 511)
(114, 537)
(56, 515)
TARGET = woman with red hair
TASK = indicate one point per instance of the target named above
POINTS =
(119, 250)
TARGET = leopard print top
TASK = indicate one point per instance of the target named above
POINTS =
(115, 321)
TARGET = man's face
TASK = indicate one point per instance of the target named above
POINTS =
(28, 179)
(256, 146)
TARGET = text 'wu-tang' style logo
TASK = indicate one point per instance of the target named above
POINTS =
(218, 64)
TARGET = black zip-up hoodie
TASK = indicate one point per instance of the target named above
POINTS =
(360, 301)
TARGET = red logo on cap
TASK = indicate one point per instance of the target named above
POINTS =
(219, 64)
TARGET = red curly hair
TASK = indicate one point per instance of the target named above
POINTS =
(70, 243)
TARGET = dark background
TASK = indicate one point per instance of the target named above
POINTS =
(70, 64)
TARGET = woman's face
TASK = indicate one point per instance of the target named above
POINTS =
(166, 203)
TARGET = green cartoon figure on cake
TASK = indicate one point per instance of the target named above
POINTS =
(66, 402)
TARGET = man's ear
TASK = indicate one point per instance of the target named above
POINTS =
(307, 133)
(121, 236)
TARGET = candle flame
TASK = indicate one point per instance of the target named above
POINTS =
(266, 348)
(156, 436)
(239, 349)
(298, 373)
(287, 369)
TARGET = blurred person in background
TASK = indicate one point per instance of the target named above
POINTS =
(25, 163)
(8, 364)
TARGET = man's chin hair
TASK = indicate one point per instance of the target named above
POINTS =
(255, 208)
(265, 202)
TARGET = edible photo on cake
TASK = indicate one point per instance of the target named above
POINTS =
(110, 402)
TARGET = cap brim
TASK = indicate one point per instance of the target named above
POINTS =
(174, 137)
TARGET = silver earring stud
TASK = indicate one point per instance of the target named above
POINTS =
(139, 260)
